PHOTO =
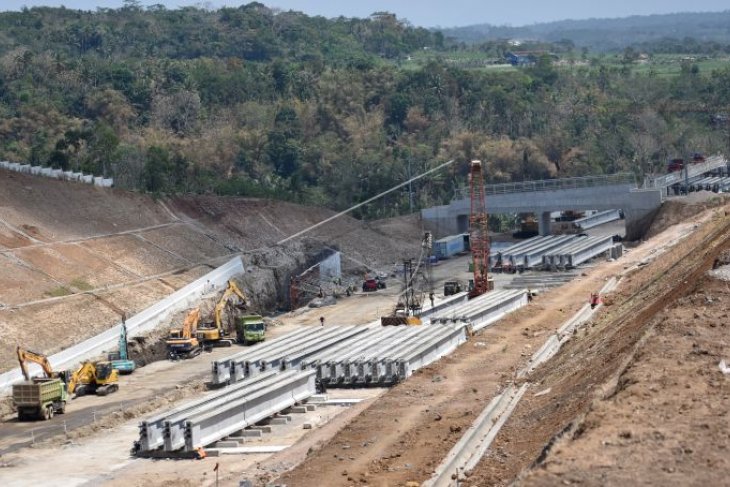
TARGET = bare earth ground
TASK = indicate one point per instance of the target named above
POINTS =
(402, 436)
(68, 270)
(441, 401)
(667, 423)
(589, 372)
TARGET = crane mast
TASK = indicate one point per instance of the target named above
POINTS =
(478, 235)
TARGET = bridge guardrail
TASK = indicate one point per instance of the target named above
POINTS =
(553, 184)
(710, 164)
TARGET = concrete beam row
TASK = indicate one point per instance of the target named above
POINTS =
(204, 421)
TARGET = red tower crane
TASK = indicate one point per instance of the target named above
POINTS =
(478, 236)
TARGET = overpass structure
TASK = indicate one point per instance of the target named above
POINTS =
(711, 164)
(616, 191)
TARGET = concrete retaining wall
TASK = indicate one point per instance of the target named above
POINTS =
(141, 323)
(57, 174)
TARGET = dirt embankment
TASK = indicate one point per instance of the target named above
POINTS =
(589, 371)
(666, 422)
(73, 258)
(678, 210)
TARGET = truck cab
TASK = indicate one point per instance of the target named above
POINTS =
(250, 329)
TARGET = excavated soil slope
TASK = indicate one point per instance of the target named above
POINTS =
(73, 257)
(589, 377)
(666, 423)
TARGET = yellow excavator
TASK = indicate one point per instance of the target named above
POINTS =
(183, 342)
(213, 334)
(99, 378)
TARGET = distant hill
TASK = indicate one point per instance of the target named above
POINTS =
(608, 34)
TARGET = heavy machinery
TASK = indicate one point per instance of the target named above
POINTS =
(183, 342)
(478, 231)
(213, 334)
(99, 378)
(250, 329)
(39, 397)
(452, 287)
(120, 360)
(409, 305)
(528, 227)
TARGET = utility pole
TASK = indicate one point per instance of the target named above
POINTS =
(410, 186)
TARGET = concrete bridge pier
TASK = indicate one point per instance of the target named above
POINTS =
(543, 223)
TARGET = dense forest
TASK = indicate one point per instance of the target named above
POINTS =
(611, 34)
(258, 102)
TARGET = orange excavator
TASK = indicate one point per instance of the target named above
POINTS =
(183, 342)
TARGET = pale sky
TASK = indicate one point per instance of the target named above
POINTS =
(431, 13)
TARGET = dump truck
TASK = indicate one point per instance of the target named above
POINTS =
(250, 329)
(40, 398)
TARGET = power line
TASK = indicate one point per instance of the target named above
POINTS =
(369, 200)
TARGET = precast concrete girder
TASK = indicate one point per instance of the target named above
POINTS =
(289, 389)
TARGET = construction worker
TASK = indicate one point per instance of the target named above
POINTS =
(430, 296)
(595, 300)
(321, 320)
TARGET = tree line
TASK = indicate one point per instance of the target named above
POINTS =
(257, 102)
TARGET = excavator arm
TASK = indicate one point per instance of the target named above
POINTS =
(190, 325)
(230, 291)
(25, 356)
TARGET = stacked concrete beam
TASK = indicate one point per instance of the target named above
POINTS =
(372, 356)
(597, 219)
(529, 254)
(287, 352)
(365, 367)
(486, 309)
(155, 431)
(533, 257)
(205, 421)
(223, 370)
(506, 254)
(540, 281)
(57, 174)
(578, 252)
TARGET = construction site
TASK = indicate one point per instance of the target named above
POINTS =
(205, 340)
